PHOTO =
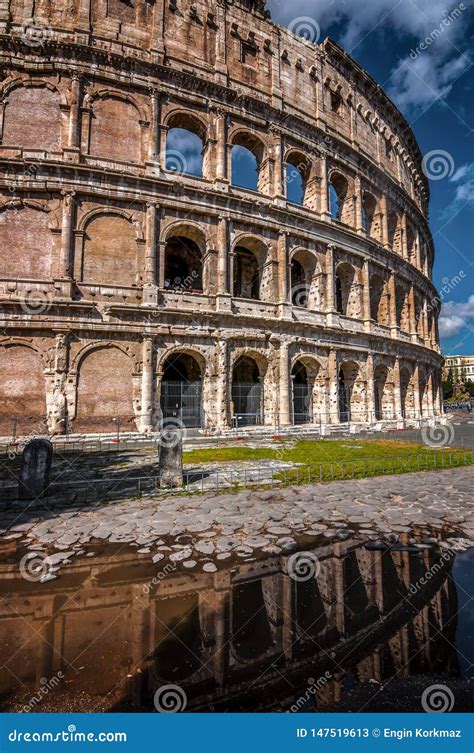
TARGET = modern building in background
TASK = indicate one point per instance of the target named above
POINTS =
(461, 367)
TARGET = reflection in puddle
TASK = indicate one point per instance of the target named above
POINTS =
(115, 629)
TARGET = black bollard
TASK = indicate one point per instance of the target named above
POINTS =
(170, 458)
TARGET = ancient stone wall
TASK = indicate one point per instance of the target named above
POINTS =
(121, 250)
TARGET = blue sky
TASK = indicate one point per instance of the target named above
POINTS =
(433, 88)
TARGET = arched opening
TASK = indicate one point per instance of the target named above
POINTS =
(105, 392)
(369, 208)
(302, 394)
(247, 156)
(348, 376)
(22, 392)
(183, 264)
(379, 309)
(246, 274)
(181, 391)
(347, 291)
(251, 630)
(26, 244)
(246, 393)
(178, 638)
(111, 251)
(406, 393)
(383, 396)
(116, 133)
(185, 145)
(306, 281)
(296, 177)
(338, 190)
(43, 131)
(394, 231)
(402, 309)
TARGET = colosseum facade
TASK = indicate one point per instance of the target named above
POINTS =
(135, 289)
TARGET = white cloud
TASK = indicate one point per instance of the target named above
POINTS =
(189, 146)
(417, 80)
(455, 316)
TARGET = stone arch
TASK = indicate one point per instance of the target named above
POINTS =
(250, 275)
(307, 280)
(43, 132)
(379, 299)
(104, 397)
(308, 389)
(351, 402)
(187, 147)
(383, 393)
(186, 262)
(297, 175)
(248, 148)
(115, 127)
(182, 373)
(402, 307)
(111, 249)
(251, 631)
(27, 249)
(340, 205)
(407, 392)
(348, 290)
(22, 390)
(249, 368)
(394, 226)
(371, 215)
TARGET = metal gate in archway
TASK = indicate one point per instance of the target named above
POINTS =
(344, 402)
(182, 400)
(301, 403)
(247, 400)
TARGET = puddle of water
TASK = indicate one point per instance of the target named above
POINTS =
(114, 628)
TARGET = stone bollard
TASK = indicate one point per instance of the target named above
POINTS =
(35, 469)
(170, 458)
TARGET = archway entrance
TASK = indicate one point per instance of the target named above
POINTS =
(246, 393)
(302, 408)
(181, 390)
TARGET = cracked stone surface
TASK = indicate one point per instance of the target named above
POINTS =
(199, 530)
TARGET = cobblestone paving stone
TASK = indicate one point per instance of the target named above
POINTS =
(200, 530)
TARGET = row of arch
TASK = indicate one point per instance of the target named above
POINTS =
(113, 127)
(106, 386)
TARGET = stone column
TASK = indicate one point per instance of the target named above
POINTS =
(163, 134)
(150, 247)
(358, 205)
(66, 263)
(153, 133)
(222, 249)
(161, 246)
(411, 308)
(330, 307)
(324, 198)
(384, 220)
(393, 304)
(416, 392)
(74, 141)
(285, 390)
(366, 294)
(403, 233)
(221, 146)
(369, 366)
(333, 388)
(278, 169)
(397, 392)
(222, 382)
(284, 275)
(146, 412)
